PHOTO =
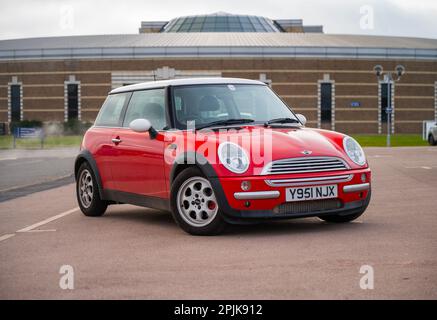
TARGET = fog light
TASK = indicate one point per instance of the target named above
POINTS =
(363, 177)
(245, 185)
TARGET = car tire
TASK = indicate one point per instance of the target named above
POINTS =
(87, 192)
(194, 206)
(431, 140)
(338, 218)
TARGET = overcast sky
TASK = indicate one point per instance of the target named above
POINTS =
(41, 18)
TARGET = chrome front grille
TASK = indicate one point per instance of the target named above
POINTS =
(309, 181)
(301, 207)
(305, 165)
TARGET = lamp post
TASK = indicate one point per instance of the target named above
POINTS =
(389, 77)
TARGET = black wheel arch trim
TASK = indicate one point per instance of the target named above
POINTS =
(87, 156)
(198, 160)
(194, 159)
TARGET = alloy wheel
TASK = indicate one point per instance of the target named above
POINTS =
(86, 188)
(196, 202)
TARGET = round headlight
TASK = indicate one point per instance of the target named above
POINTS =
(354, 151)
(233, 157)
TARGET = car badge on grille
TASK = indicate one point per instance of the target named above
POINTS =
(306, 152)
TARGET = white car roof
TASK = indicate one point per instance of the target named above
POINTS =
(182, 82)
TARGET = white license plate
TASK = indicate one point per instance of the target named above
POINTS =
(311, 193)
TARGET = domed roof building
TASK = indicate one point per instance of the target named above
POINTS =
(226, 22)
(329, 78)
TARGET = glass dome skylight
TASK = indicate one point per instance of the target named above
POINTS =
(221, 22)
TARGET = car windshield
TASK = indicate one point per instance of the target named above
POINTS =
(227, 104)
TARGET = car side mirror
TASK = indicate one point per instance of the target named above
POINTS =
(301, 118)
(143, 125)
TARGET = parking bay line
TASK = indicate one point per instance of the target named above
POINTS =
(41, 223)
(6, 236)
(8, 158)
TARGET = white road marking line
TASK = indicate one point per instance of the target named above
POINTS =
(420, 167)
(41, 223)
(7, 236)
(380, 156)
(8, 158)
(41, 230)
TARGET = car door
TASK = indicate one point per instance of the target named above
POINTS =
(99, 137)
(139, 165)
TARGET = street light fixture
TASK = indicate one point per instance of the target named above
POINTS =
(389, 77)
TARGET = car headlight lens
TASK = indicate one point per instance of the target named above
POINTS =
(233, 157)
(354, 151)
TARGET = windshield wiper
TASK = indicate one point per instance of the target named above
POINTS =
(281, 120)
(225, 122)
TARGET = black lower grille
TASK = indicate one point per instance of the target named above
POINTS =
(300, 207)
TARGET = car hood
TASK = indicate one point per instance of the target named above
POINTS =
(285, 142)
(282, 143)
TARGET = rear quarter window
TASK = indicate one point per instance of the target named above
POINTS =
(109, 115)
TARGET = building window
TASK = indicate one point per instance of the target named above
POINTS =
(326, 102)
(385, 98)
(15, 102)
(72, 103)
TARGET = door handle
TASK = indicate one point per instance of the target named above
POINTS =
(116, 140)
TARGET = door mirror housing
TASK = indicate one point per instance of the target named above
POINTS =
(140, 125)
(143, 125)
(301, 118)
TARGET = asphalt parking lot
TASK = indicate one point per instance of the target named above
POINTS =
(24, 172)
(134, 252)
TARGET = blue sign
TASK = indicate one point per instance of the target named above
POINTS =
(24, 133)
(28, 132)
(355, 104)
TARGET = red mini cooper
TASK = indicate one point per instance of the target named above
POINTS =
(217, 151)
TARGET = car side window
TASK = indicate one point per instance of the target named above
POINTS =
(147, 104)
(109, 115)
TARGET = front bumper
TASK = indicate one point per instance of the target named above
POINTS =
(266, 197)
(257, 195)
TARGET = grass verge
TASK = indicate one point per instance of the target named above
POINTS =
(6, 142)
(397, 140)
